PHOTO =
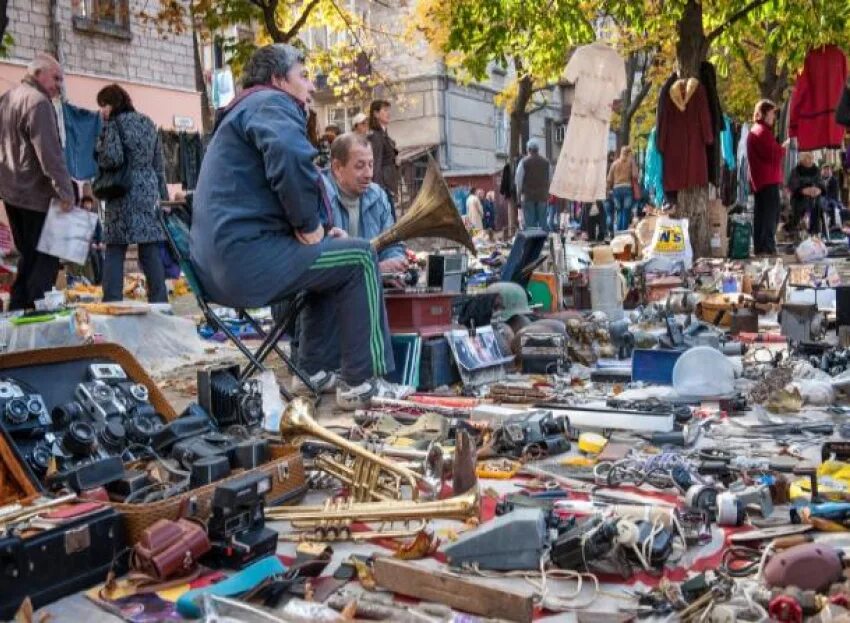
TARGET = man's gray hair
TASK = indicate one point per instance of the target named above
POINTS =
(341, 147)
(532, 146)
(41, 62)
(270, 61)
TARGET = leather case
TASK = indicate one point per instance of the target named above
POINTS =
(170, 549)
(69, 558)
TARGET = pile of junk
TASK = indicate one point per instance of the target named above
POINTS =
(606, 433)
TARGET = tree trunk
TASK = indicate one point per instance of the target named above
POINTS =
(200, 83)
(4, 22)
(775, 81)
(518, 115)
(691, 50)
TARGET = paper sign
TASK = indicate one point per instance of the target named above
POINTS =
(67, 235)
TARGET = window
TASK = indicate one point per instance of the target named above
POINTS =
(501, 128)
(342, 116)
(559, 130)
(106, 17)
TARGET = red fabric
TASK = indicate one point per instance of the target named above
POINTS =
(764, 154)
(815, 98)
(682, 139)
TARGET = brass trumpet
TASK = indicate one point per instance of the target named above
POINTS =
(333, 519)
(369, 477)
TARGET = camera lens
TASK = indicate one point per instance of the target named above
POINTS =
(102, 393)
(139, 392)
(113, 437)
(17, 411)
(39, 458)
(142, 425)
(69, 412)
(35, 406)
(251, 410)
(80, 438)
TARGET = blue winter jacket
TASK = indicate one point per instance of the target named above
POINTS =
(375, 213)
(257, 187)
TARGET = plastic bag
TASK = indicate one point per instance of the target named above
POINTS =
(672, 241)
(815, 392)
(272, 403)
(811, 250)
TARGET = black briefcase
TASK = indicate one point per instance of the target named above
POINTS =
(55, 563)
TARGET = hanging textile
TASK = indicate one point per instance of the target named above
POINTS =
(599, 75)
(708, 79)
(170, 144)
(653, 172)
(743, 167)
(82, 128)
(726, 144)
(815, 98)
(684, 135)
(191, 155)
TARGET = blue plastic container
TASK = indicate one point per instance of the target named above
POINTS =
(654, 365)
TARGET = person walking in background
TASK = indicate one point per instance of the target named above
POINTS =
(129, 138)
(323, 159)
(384, 150)
(490, 210)
(474, 209)
(553, 214)
(765, 154)
(621, 177)
(32, 174)
(532, 186)
(360, 124)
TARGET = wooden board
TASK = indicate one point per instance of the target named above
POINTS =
(408, 579)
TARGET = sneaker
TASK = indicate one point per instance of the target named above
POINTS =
(350, 398)
(324, 382)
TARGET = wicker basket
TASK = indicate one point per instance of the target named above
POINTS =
(286, 467)
(288, 486)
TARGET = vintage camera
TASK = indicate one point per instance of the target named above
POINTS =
(23, 414)
(134, 398)
(107, 372)
(211, 444)
(237, 527)
(534, 434)
(543, 353)
(228, 400)
(99, 400)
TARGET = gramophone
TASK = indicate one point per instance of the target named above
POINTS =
(431, 215)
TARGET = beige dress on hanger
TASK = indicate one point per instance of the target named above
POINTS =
(599, 75)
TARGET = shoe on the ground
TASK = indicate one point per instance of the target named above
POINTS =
(352, 398)
(357, 397)
(324, 382)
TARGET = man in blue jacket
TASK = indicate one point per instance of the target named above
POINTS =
(257, 234)
(361, 209)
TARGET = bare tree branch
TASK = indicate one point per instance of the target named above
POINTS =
(270, 19)
(735, 17)
(302, 19)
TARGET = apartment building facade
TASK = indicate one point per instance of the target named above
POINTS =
(99, 42)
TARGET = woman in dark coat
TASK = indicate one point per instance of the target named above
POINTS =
(131, 137)
(384, 150)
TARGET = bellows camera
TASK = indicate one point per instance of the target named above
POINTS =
(228, 400)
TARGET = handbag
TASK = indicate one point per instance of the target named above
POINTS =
(113, 183)
(170, 549)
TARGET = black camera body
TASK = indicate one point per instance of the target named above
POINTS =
(533, 434)
(204, 446)
(23, 414)
(237, 527)
(228, 400)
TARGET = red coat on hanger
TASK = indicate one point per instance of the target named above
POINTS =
(815, 98)
(684, 130)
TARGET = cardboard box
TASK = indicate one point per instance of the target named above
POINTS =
(719, 243)
(718, 216)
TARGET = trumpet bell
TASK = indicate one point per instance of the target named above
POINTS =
(431, 215)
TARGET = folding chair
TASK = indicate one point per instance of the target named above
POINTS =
(176, 223)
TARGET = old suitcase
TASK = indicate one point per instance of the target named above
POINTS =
(60, 561)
